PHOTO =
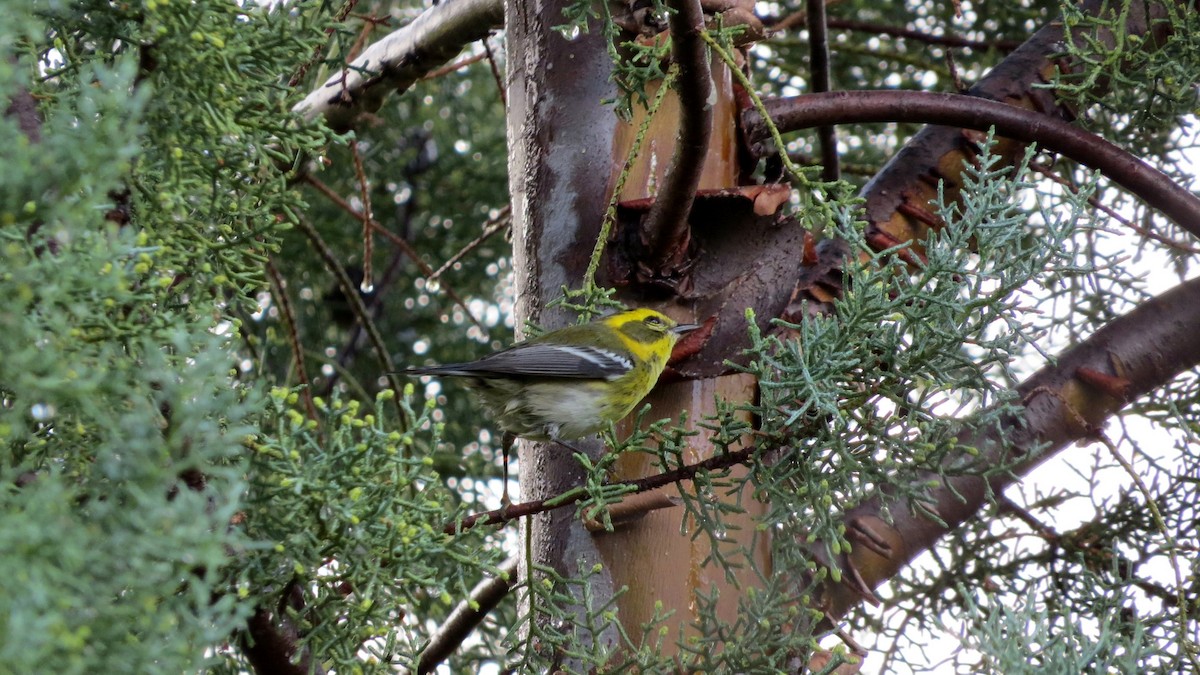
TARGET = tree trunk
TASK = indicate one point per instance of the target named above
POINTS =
(558, 161)
(566, 151)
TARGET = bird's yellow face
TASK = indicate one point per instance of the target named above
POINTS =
(650, 335)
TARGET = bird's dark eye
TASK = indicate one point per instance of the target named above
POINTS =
(653, 321)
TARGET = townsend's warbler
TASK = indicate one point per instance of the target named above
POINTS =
(571, 382)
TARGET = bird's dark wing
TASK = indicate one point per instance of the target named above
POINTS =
(540, 360)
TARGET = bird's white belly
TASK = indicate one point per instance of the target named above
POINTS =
(578, 410)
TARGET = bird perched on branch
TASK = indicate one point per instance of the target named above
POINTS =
(571, 382)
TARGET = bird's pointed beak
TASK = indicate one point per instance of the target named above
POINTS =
(685, 328)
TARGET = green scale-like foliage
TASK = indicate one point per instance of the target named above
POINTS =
(137, 454)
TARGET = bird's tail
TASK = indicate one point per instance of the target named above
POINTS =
(450, 369)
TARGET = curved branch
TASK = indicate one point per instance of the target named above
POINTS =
(666, 226)
(394, 63)
(466, 616)
(1064, 402)
(970, 112)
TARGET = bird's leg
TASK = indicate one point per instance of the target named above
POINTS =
(506, 443)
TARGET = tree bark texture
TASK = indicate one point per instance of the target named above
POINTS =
(558, 135)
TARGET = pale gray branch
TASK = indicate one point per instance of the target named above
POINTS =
(397, 61)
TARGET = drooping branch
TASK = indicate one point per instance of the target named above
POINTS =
(403, 246)
(666, 226)
(288, 315)
(1064, 402)
(351, 291)
(394, 63)
(969, 112)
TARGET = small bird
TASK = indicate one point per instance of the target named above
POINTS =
(571, 382)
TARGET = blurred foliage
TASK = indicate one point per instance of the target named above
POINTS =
(864, 56)
(154, 498)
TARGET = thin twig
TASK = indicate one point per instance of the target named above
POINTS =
(941, 40)
(818, 43)
(288, 315)
(1095, 202)
(1008, 506)
(395, 239)
(346, 354)
(366, 216)
(799, 18)
(803, 159)
(491, 59)
(457, 65)
(955, 76)
(360, 312)
(427, 270)
(369, 24)
(792, 20)
(1181, 599)
(514, 511)
(502, 221)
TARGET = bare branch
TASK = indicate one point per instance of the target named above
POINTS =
(351, 291)
(394, 63)
(666, 226)
(396, 239)
(919, 36)
(639, 485)
(970, 112)
(288, 316)
(467, 615)
(946, 40)
(502, 221)
(818, 44)
(1146, 348)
